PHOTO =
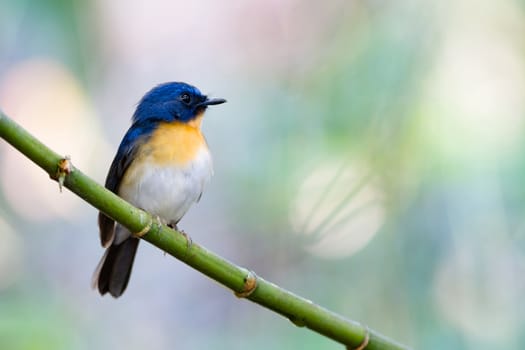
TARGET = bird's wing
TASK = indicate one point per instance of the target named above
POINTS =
(126, 153)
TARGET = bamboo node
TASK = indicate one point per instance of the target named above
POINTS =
(64, 168)
(145, 230)
(250, 284)
(365, 341)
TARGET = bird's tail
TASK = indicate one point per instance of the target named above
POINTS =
(113, 270)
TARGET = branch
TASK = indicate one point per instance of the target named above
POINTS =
(300, 311)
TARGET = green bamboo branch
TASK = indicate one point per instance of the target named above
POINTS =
(300, 311)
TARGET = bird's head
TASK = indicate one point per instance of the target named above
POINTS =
(171, 102)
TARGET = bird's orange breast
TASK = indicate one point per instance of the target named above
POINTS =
(175, 143)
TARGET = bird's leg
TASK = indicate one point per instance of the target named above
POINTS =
(173, 225)
(159, 220)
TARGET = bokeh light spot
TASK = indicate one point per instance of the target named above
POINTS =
(45, 98)
(340, 207)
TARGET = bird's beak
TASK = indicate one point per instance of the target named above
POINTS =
(211, 101)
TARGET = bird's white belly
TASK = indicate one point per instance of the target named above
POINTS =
(168, 191)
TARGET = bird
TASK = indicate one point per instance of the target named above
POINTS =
(161, 166)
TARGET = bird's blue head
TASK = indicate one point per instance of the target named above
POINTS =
(172, 101)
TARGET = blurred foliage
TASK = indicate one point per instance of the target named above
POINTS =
(32, 324)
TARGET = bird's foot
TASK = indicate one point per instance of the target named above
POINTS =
(159, 220)
(189, 241)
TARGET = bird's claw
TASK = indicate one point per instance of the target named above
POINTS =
(189, 241)
(159, 220)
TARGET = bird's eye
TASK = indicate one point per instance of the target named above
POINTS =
(185, 98)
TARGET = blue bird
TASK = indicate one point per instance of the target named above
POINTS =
(161, 166)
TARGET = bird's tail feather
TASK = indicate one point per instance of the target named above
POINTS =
(113, 270)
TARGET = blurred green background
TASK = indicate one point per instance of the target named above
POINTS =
(370, 158)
